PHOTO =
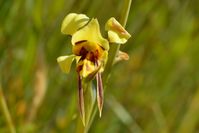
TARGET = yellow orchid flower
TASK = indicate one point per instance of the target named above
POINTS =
(90, 50)
(90, 47)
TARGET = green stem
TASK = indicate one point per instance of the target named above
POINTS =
(6, 112)
(125, 13)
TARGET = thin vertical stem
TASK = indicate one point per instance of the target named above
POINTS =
(6, 112)
(125, 13)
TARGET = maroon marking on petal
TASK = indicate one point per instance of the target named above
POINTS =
(79, 42)
(79, 68)
(91, 56)
(83, 52)
(102, 47)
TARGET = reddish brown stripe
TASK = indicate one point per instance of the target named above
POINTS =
(102, 47)
(100, 89)
(79, 42)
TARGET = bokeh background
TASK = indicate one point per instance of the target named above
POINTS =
(156, 91)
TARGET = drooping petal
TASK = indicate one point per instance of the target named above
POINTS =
(91, 33)
(72, 22)
(100, 93)
(116, 33)
(65, 62)
(81, 99)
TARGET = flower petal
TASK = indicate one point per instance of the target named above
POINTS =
(91, 75)
(100, 93)
(81, 99)
(116, 33)
(91, 33)
(73, 22)
(121, 56)
(87, 68)
(65, 62)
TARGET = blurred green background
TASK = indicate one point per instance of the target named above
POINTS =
(156, 91)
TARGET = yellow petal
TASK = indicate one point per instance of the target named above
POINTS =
(65, 62)
(116, 33)
(90, 33)
(115, 38)
(92, 74)
(73, 22)
(88, 67)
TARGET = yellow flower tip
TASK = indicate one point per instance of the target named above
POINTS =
(91, 33)
(73, 22)
(116, 33)
(100, 114)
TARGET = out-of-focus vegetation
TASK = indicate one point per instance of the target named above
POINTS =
(156, 91)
